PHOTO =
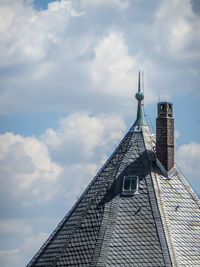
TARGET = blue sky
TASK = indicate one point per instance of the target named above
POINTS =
(68, 74)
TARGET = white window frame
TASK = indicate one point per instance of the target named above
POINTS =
(130, 191)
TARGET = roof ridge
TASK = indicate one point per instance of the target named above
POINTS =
(175, 212)
(159, 223)
(165, 220)
(186, 184)
(76, 205)
(138, 205)
(105, 226)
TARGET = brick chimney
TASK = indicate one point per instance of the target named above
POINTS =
(165, 135)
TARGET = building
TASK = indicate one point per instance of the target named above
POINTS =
(139, 210)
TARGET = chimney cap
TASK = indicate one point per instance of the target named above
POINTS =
(164, 102)
(165, 110)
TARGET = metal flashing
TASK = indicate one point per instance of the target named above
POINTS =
(160, 166)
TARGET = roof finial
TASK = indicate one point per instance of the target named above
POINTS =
(139, 96)
(139, 83)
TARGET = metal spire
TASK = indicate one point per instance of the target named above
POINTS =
(139, 96)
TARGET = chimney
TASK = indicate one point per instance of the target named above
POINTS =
(165, 135)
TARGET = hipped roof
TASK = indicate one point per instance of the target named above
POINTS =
(160, 226)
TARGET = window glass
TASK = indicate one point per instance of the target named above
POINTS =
(127, 184)
(130, 185)
(133, 184)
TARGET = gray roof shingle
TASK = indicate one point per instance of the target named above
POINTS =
(106, 228)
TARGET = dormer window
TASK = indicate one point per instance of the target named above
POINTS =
(130, 185)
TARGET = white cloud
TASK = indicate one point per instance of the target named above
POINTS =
(188, 158)
(121, 4)
(33, 243)
(176, 28)
(81, 145)
(14, 226)
(28, 35)
(176, 136)
(28, 169)
(82, 55)
(8, 252)
(24, 242)
(10, 258)
(81, 137)
(88, 50)
(34, 171)
(113, 69)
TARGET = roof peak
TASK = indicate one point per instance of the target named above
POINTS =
(139, 96)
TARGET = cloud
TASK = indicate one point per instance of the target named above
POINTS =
(176, 136)
(28, 169)
(48, 25)
(82, 57)
(120, 4)
(23, 240)
(176, 27)
(33, 243)
(81, 144)
(188, 158)
(87, 51)
(11, 258)
(34, 170)
(82, 137)
(112, 69)
(8, 252)
(56, 166)
(15, 226)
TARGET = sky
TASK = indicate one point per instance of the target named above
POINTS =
(68, 76)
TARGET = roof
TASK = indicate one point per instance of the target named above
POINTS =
(179, 207)
(160, 226)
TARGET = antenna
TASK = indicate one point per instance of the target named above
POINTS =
(148, 119)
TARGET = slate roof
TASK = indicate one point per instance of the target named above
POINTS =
(179, 207)
(160, 226)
